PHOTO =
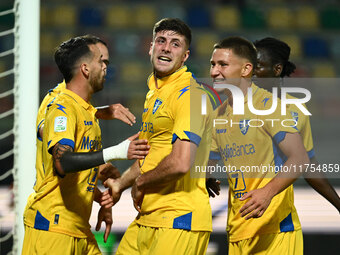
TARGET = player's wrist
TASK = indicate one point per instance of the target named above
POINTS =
(116, 152)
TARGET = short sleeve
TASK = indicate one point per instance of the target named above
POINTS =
(60, 125)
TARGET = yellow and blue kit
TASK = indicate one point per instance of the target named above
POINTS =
(52, 93)
(250, 145)
(303, 126)
(63, 204)
(172, 111)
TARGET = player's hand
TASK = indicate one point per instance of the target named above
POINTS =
(108, 171)
(115, 190)
(259, 200)
(138, 149)
(213, 186)
(137, 197)
(116, 111)
(105, 214)
(106, 200)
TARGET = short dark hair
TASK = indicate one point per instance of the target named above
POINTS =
(95, 38)
(173, 24)
(240, 46)
(70, 51)
(278, 52)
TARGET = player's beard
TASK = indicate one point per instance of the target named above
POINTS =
(97, 83)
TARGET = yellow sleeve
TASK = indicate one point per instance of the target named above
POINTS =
(60, 125)
(304, 127)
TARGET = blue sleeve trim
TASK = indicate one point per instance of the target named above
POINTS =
(183, 222)
(174, 138)
(41, 222)
(279, 137)
(196, 139)
(311, 153)
(215, 155)
(287, 224)
(63, 141)
(38, 135)
(68, 142)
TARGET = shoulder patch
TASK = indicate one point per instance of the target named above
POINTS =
(60, 124)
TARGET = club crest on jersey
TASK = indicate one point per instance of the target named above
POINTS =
(158, 102)
(244, 126)
(295, 116)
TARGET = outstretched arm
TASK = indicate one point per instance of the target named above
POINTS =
(319, 182)
(127, 179)
(66, 161)
(116, 111)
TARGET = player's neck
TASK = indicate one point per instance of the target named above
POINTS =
(80, 88)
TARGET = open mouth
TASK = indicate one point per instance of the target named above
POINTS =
(164, 59)
(219, 80)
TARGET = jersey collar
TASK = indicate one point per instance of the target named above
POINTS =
(165, 80)
(79, 100)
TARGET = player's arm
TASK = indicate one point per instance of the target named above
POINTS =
(115, 111)
(117, 186)
(106, 171)
(171, 168)
(319, 182)
(66, 161)
(260, 199)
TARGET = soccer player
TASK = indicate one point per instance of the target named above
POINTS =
(247, 149)
(115, 111)
(174, 210)
(273, 62)
(56, 216)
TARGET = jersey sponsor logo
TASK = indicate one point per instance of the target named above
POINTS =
(92, 145)
(88, 123)
(221, 130)
(157, 104)
(60, 124)
(145, 110)
(244, 126)
(234, 150)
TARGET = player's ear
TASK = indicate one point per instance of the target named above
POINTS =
(278, 69)
(247, 69)
(84, 68)
(186, 55)
(150, 50)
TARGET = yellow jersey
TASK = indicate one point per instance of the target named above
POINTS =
(303, 126)
(52, 93)
(64, 204)
(170, 114)
(248, 145)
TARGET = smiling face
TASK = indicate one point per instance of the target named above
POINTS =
(168, 52)
(227, 65)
